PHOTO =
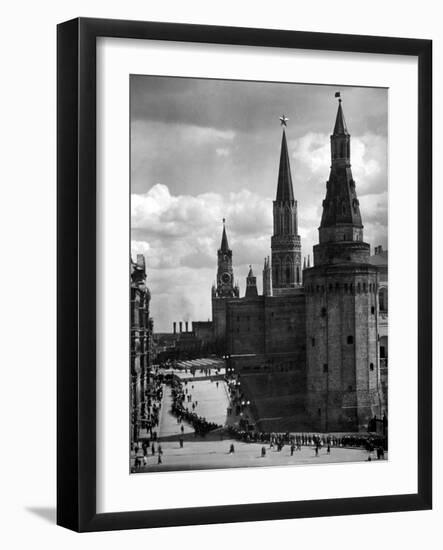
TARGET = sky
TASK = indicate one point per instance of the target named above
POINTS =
(203, 150)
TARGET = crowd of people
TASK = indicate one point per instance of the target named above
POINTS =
(151, 416)
(278, 440)
(183, 408)
(141, 452)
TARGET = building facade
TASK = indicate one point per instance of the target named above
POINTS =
(141, 327)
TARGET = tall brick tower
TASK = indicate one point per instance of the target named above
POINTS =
(285, 242)
(343, 375)
(224, 290)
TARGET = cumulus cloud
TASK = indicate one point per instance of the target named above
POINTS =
(203, 150)
(180, 235)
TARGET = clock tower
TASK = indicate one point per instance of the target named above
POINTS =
(222, 291)
(225, 287)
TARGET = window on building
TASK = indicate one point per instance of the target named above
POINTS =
(325, 368)
(313, 342)
(288, 274)
(371, 366)
(350, 339)
(372, 310)
(323, 312)
(383, 299)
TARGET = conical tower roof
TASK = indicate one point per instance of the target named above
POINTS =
(224, 242)
(341, 205)
(340, 128)
(285, 191)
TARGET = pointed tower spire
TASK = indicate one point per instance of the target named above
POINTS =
(285, 191)
(340, 128)
(341, 224)
(285, 242)
(225, 273)
(224, 242)
(341, 206)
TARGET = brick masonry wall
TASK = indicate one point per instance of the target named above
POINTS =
(343, 380)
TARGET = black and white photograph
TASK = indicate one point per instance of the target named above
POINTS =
(258, 274)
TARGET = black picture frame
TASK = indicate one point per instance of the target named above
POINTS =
(76, 278)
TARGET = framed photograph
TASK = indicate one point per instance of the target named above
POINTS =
(244, 274)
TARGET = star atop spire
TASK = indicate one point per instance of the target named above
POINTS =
(283, 120)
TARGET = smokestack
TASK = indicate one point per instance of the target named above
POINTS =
(186, 325)
(175, 327)
(181, 326)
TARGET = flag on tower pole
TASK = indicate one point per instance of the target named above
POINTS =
(337, 94)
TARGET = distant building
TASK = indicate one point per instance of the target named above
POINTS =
(141, 346)
(380, 259)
